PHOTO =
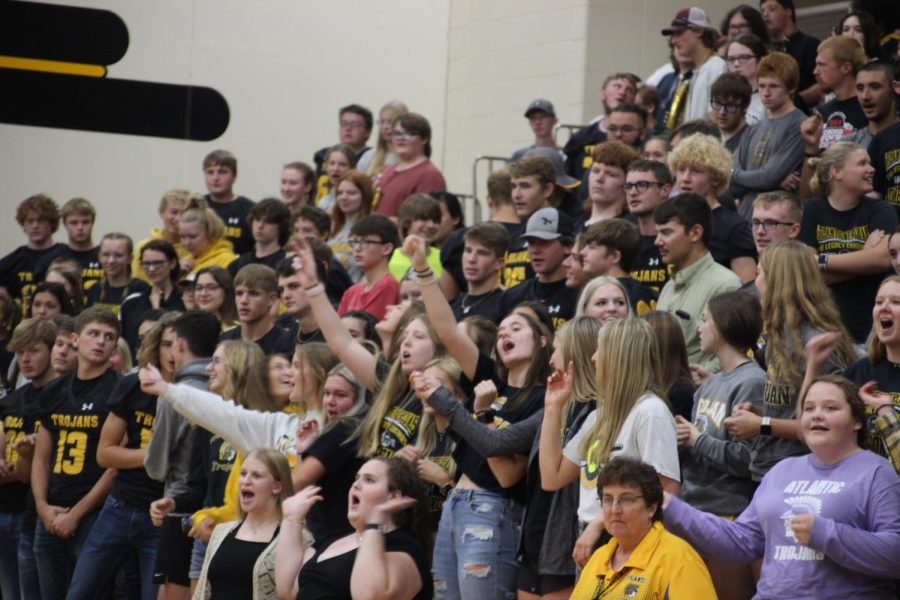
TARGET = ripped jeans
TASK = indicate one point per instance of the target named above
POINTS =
(475, 547)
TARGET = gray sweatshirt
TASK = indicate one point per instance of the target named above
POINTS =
(168, 456)
(716, 471)
(768, 152)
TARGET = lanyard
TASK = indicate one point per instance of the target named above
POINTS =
(601, 589)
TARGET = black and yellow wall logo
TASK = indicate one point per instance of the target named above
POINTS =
(53, 66)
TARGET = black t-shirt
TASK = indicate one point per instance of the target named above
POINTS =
(841, 119)
(111, 298)
(17, 271)
(508, 408)
(88, 260)
(133, 309)
(400, 425)
(831, 231)
(884, 150)
(275, 341)
(17, 415)
(730, 237)
(641, 297)
(329, 518)
(887, 376)
(486, 305)
(329, 579)
(230, 571)
(579, 150)
(337, 281)
(650, 269)
(559, 300)
(72, 411)
(803, 48)
(681, 397)
(250, 258)
(237, 228)
(133, 486)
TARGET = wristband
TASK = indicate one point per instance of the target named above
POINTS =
(316, 290)
(891, 405)
(823, 261)
(485, 416)
(312, 286)
(299, 522)
(379, 527)
(765, 426)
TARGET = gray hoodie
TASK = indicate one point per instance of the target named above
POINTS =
(169, 451)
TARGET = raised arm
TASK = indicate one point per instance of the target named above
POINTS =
(359, 360)
(380, 575)
(557, 471)
(461, 347)
(713, 536)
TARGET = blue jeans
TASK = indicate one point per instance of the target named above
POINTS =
(56, 557)
(119, 529)
(10, 531)
(29, 582)
(475, 547)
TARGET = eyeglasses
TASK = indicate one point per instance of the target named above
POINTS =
(738, 27)
(403, 134)
(151, 265)
(363, 243)
(210, 287)
(351, 124)
(730, 107)
(621, 129)
(642, 186)
(739, 58)
(624, 502)
(768, 224)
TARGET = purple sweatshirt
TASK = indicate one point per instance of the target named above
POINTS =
(854, 548)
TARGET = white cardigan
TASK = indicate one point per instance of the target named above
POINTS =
(263, 568)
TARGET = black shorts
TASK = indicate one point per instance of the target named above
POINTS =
(529, 580)
(173, 558)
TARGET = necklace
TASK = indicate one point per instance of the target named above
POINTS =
(256, 530)
(481, 298)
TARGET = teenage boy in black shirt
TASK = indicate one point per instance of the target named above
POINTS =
(270, 225)
(533, 184)
(482, 261)
(837, 63)
(647, 185)
(219, 173)
(549, 238)
(124, 523)
(31, 341)
(38, 216)
(68, 484)
(77, 216)
(256, 296)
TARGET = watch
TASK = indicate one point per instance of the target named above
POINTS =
(765, 426)
(485, 416)
(379, 527)
(823, 261)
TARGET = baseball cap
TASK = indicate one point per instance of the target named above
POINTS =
(540, 105)
(188, 280)
(562, 178)
(686, 18)
(548, 224)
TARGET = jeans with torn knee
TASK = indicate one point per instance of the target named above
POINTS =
(476, 544)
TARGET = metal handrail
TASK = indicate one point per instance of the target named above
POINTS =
(477, 212)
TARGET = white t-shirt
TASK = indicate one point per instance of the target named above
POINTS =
(698, 93)
(648, 433)
(756, 112)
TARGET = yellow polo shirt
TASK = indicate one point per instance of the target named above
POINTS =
(663, 566)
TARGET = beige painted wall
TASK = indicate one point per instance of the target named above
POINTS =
(470, 66)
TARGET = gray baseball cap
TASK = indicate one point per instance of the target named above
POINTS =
(548, 224)
(540, 105)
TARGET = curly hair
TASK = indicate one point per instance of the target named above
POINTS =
(402, 477)
(705, 151)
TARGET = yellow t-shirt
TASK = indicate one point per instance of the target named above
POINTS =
(662, 566)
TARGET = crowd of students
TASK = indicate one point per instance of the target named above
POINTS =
(664, 367)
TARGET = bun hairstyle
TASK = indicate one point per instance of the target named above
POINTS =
(198, 211)
(835, 156)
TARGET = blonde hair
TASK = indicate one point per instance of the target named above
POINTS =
(239, 356)
(394, 390)
(834, 157)
(795, 295)
(277, 465)
(426, 441)
(576, 341)
(177, 198)
(197, 211)
(383, 146)
(704, 151)
(876, 348)
(592, 286)
(628, 367)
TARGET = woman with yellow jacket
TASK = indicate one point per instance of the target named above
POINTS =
(202, 234)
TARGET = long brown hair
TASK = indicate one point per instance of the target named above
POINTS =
(364, 185)
(673, 352)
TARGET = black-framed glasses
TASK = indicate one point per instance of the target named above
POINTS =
(363, 243)
(739, 58)
(730, 107)
(768, 224)
(641, 186)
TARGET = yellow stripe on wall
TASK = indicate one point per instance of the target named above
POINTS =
(51, 66)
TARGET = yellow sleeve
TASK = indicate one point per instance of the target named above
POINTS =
(229, 511)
